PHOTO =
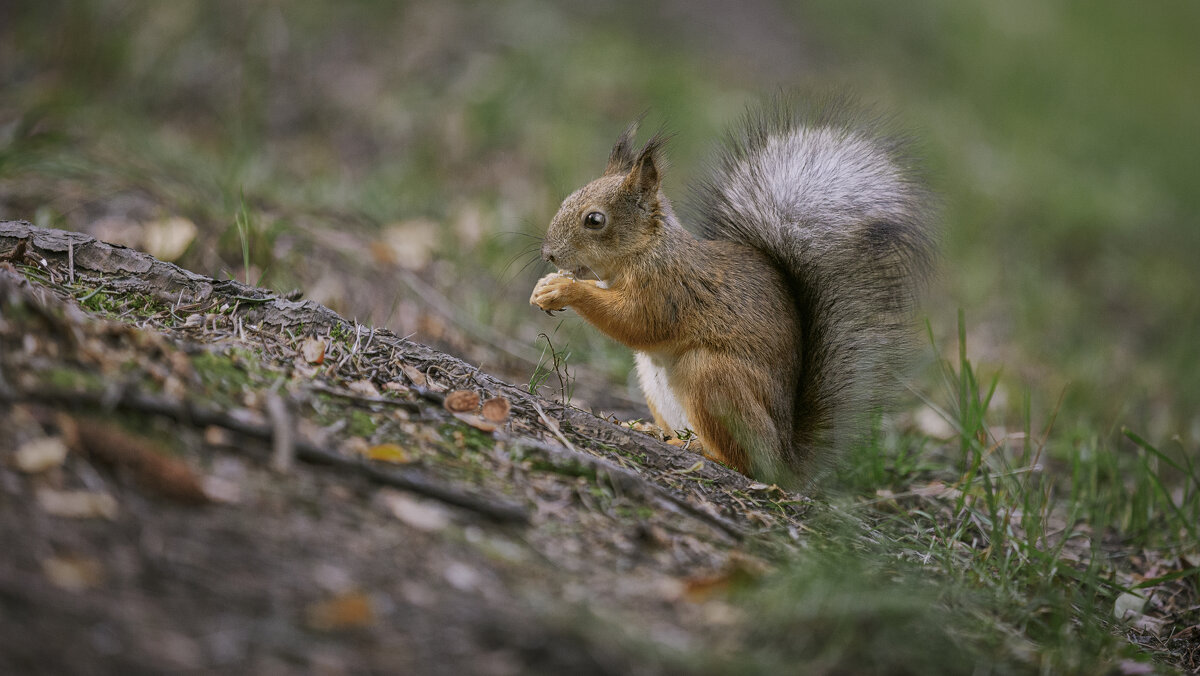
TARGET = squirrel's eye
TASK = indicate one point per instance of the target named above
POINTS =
(594, 220)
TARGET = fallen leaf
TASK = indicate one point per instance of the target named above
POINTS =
(117, 230)
(345, 611)
(38, 455)
(221, 490)
(462, 401)
(497, 409)
(1150, 625)
(313, 350)
(303, 369)
(333, 579)
(409, 244)
(738, 571)
(218, 436)
(354, 446)
(420, 514)
(477, 422)
(73, 573)
(932, 424)
(161, 473)
(364, 387)
(175, 388)
(461, 576)
(937, 489)
(393, 386)
(699, 465)
(389, 453)
(77, 504)
(1134, 668)
(414, 376)
(167, 239)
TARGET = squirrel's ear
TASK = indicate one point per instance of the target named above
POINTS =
(620, 160)
(645, 176)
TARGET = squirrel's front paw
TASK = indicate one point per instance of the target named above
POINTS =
(551, 292)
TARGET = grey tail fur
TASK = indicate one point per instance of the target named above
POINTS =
(836, 203)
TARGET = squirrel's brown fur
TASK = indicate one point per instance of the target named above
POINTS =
(776, 334)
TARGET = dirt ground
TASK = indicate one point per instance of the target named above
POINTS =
(197, 476)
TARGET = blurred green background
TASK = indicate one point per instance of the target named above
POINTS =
(392, 159)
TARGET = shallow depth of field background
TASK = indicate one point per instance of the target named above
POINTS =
(392, 159)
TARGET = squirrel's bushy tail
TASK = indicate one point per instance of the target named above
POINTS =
(835, 201)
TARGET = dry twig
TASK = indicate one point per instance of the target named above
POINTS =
(189, 412)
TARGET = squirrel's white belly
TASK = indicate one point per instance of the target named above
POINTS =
(652, 374)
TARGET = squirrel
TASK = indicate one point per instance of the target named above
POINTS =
(777, 332)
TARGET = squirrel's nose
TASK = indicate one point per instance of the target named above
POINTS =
(546, 253)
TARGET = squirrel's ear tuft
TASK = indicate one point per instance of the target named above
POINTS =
(621, 159)
(645, 176)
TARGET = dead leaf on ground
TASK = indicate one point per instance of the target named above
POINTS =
(222, 490)
(354, 446)
(1134, 668)
(73, 573)
(409, 244)
(77, 504)
(424, 515)
(462, 401)
(215, 435)
(1150, 625)
(477, 422)
(931, 423)
(497, 409)
(313, 350)
(462, 576)
(304, 370)
(161, 473)
(17, 254)
(738, 571)
(38, 455)
(364, 387)
(169, 238)
(414, 376)
(390, 453)
(345, 611)
(936, 489)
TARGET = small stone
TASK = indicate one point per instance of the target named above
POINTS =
(1128, 606)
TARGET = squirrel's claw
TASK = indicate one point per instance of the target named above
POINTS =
(549, 292)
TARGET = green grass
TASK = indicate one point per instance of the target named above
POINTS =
(1060, 137)
(1029, 553)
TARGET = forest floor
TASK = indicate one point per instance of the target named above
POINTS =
(201, 476)
(198, 475)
